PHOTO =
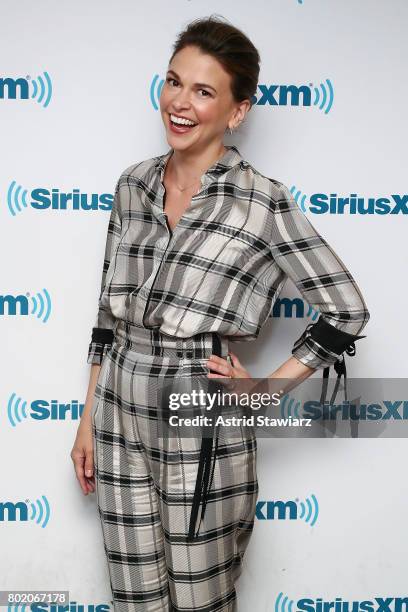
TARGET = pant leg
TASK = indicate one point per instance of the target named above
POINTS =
(145, 489)
(126, 496)
(202, 574)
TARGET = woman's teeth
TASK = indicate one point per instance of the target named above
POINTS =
(180, 121)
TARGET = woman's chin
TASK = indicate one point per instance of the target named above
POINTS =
(179, 144)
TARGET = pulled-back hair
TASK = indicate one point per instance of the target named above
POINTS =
(230, 46)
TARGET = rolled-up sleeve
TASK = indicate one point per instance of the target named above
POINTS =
(102, 331)
(324, 282)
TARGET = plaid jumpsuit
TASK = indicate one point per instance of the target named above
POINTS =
(177, 512)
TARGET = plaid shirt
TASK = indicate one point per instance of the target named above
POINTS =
(224, 265)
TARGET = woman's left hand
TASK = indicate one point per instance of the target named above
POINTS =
(226, 370)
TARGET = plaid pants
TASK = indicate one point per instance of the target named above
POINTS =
(145, 483)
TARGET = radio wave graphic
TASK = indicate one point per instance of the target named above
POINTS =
(312, 313)
(283, 603)
(16, 409)
(326, 94)
(289, 407)
(19, 608)
(299, 198)
(155, 90)
(16, 198)
(42, 89)
(40, 511)
(41, 306)
(309, 510)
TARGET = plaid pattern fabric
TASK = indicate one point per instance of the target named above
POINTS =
(218, 272)
(224, 265)
(145, 483)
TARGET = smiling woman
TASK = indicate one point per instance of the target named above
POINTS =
(198, 94)
(197, 102)
(199, 245)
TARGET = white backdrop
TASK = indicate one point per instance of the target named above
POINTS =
(97, 61)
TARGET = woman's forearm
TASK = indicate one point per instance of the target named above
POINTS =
(93, 379)
(294, 372)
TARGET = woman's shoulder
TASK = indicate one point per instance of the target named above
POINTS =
(271, 186)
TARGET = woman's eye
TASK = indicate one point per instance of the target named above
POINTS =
(170, 79)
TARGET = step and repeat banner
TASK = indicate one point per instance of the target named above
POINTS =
(79, 92)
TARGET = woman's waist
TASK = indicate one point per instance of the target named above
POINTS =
(152, 341)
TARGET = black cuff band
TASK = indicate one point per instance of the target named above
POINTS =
(331, 338)
(102, 336)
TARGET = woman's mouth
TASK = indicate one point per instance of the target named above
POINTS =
(180, 125)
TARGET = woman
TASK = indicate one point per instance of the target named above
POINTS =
(199, 245)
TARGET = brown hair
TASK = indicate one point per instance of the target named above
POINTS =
(230, 46)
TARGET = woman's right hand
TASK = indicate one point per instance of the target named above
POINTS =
(82, 456)
(82, 451)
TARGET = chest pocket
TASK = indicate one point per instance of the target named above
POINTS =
(236, 253)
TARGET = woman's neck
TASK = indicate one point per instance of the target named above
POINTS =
(184, 166)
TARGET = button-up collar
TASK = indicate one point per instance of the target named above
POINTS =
(228, 160)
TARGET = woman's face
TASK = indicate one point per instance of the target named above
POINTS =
(199, 89)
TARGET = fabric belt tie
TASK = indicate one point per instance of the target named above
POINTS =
(340, 368)
(337, 341)
(207, 462)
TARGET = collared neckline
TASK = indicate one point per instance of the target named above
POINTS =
(228, 160)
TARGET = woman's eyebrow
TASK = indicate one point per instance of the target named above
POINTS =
(197, 84)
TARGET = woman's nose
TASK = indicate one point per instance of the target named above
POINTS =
(182, 99)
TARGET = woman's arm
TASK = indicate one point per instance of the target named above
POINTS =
(323, 280)
(101, 341)
(93, 379)
(82, 450)
(102, 331)
(294, 372)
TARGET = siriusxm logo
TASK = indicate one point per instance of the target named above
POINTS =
(296, 95)
(273, 95)
(292, 510)
(72, 606)
(41, 410)
(348, 410)
(309, 604)
(333, 204)
(42, 198)
(293, 308)
(24, 88)
(38, 305)
(23, 511)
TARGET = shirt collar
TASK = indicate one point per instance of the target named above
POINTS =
(229, 159)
